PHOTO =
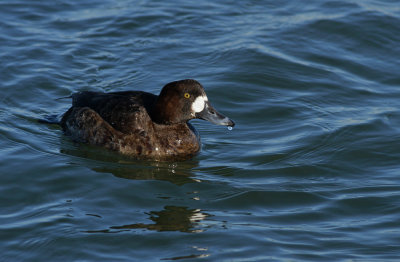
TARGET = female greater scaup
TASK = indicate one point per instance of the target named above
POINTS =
(141, 124)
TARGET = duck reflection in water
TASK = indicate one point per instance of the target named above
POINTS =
(101, 161)
(177, 174)
(172, 218)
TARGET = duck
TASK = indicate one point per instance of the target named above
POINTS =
(143, 125)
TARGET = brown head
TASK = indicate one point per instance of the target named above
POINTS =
(183, 100)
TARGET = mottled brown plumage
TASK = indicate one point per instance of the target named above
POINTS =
(140, 124)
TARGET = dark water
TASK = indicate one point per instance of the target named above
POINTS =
(310, 173)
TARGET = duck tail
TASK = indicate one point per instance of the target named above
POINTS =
(64, 97)
(50, 120)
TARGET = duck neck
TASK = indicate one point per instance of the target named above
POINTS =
(164, 112)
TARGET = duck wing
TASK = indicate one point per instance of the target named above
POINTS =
(127, 112)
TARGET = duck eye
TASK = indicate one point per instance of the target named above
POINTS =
(187, 95)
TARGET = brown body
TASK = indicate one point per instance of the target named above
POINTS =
(121, 122)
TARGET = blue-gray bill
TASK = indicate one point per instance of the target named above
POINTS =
(212, 115)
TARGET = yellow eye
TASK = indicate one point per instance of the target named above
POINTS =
(187, 95)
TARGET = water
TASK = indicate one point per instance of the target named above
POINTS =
(310, 172)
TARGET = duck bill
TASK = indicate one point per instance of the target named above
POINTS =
(211, 115)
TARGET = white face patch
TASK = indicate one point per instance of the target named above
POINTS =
(199, 103)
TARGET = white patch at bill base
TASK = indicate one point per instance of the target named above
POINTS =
(199, 103)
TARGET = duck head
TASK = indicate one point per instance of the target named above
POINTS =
(183, 100)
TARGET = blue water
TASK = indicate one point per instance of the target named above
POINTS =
(311, 171)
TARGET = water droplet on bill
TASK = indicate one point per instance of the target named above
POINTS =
(230, 128)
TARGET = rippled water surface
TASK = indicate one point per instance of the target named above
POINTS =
(311, 172)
